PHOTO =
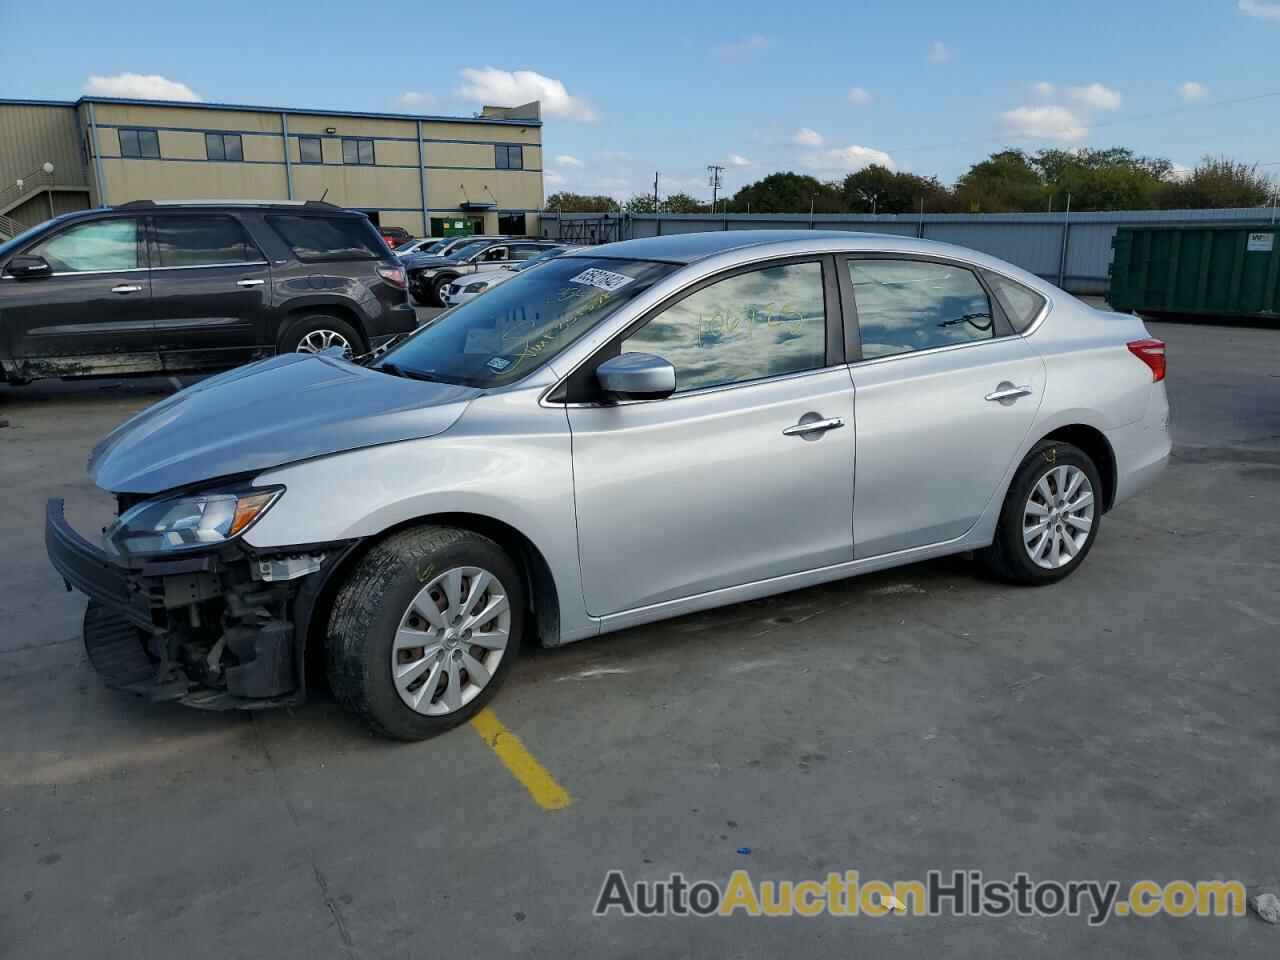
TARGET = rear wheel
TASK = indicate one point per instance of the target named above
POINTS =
(437, 289)
(1050, 516)
(424, 631)
(319, 332)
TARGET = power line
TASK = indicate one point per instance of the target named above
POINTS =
(1119, 121)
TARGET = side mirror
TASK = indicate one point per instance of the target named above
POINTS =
(637, 376)
(23, 267)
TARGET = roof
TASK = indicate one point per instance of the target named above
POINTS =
(202, 105)
(689, 247)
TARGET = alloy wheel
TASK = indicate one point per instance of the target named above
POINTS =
(1058, 517)
(450, 641)
(319, 340)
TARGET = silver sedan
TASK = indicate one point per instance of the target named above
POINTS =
(626, 434)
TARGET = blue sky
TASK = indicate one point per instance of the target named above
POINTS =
(821, 87)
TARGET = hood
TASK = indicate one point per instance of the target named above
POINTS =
(417, 261)
(288, 408)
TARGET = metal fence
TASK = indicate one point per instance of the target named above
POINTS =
(1071, 250)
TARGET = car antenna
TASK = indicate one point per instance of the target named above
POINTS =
(325, 194)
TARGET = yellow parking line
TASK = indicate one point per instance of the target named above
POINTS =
(546, 793)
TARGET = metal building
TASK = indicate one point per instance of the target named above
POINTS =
(424, 173)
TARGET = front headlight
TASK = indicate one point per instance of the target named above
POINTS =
(476, 287)
(188, 522)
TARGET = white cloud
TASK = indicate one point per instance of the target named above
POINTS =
(738, 160)
(1045, 123)
(806, 137)
(938, 52)
(1043, 89)
(738, 49)
(1260, 8)
(140, 86)
(417, 99)
(506, 88)
(859, 95)
(552, 178)
(567, 160)
(846, 159)
(1192, 91)
(1097, 96)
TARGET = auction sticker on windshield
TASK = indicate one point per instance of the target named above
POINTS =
(604, 279)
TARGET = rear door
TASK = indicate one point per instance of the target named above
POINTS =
(946, 395)
(91, 314)
(210, 290)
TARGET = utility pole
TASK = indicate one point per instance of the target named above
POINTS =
(714, 172)
(655, 191)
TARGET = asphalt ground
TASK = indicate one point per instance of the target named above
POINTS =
(1120, 725)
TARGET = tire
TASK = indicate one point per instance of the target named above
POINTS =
(311, 333)
(1013, 553)
(376, 609)
(437, 289)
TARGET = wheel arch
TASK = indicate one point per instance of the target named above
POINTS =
(343, 311)
(540, 586)
(1095, 443)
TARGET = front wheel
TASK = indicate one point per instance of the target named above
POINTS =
(1050, 516)
(320, 332)
(424, 630)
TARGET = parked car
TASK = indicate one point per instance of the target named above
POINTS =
(168, 287)
(428, 276)
(395, 236)
(445, 246)
(420, 245)
(469, 287)
(626, 434)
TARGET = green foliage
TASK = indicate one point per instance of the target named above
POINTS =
(787, 193)
(1219, 182)
(1005, 182)
(880, 190)
(580, 203)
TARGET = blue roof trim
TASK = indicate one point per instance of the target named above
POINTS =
(303, 112)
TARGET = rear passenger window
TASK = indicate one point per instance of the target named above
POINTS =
(909, 305)
(747, 327)
(330, 238)
(202, 241)
(1021, 304)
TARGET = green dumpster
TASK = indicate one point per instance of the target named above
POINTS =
(1229, 271)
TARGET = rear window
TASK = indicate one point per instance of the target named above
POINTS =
(1022, 304)
(330, 238)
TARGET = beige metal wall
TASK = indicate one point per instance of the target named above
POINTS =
(455, 161)
(31, 135)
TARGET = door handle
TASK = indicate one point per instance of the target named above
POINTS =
(812, 426)
(250, 283)
(1007, 391)
(126, 288)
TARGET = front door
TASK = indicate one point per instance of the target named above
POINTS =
(946, 396)
(210, 290)
(91, 314)
(745, 472)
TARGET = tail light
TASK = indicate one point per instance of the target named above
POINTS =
(395, 276)
(1150, 352)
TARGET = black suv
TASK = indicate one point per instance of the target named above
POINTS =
(166, 287)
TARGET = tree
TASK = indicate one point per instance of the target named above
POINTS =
(683, 203)
(1111, 179)
(1217, 183)
(640, 203)
(1004, 182)
(579, 203)
(787, 193)
(878, 189)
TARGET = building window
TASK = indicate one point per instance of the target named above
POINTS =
(511, 224)
(309, 150)
(140, 144)
(508, 157)
(223, 146)
(358, 152)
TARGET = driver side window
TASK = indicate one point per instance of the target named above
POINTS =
(97, 245)
(749, 326)
(497, 253)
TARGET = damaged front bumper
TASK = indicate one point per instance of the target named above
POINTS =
(221, 629)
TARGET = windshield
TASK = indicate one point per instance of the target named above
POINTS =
(518, 326)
